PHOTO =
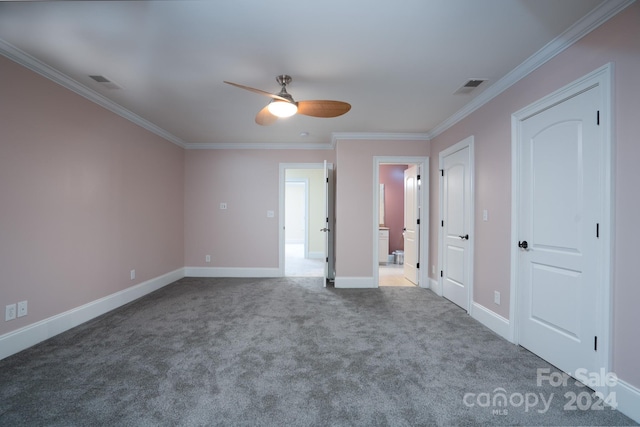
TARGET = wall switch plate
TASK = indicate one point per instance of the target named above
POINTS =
(10, 312)
(22, 308)
(496, 297)
(223, 206)
(485, 215)
(270, 214)
(133, 274)
(207, 258)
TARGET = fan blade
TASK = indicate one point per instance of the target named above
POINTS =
(323, 108)
(258, 91)
(265, 118)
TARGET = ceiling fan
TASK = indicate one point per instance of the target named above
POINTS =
(283, 105)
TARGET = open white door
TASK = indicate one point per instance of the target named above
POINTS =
(329, 228)
(411, 224)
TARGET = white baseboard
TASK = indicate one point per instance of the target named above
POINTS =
(316, 255)
(30, 335)
(231, 272)
(491, 320)
(355, 282)
(434, 285)
(628, 398)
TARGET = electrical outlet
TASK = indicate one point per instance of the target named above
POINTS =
(22, 308)
(10, 312)
(223, 205)
(133, 274)
(496, 297)
(485, 215)
(207, 258)
(433, 270)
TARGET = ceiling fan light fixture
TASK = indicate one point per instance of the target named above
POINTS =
(282, 109)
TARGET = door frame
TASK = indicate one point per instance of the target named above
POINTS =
(281, 193)
(423, 259)
(602, 78)
(468, 142)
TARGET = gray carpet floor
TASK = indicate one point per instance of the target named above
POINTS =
(283, 352)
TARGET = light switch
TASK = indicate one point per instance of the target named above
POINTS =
(485, 215)
(270, 214)
(223, 205)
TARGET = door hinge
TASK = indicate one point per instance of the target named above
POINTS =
(598, 118)
(597, 230)
(327, 259)
(441, 274)
(442, 223)
(595, 343)
(418, 221)
(418, 265)
(441, 172)
(418, 178)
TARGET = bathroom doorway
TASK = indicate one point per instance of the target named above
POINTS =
(401, 199)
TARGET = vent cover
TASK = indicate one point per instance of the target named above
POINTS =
(469, 86)
(105, 82)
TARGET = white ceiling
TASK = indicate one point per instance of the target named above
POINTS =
(398, 63)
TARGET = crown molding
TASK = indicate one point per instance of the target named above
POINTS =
(33, 64)
(584, 26)
(259, 146)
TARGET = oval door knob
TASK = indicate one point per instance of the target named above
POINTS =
(523, 244)
(465, 237)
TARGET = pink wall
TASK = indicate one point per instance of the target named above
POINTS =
(617, 41)
(247, 180)
(86, 196)
(354, 200)
(392, 176)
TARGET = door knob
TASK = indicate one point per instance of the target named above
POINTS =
(523, 244)
(465, 237)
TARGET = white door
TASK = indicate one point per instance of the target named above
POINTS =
(456, 226)
(329, 228)
(411, 226)
(558, 265)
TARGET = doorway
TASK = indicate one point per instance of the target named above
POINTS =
(302, 202)
(400, 206)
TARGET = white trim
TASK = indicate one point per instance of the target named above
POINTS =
(601, 77)
(316, 255)
(584, 26)
(490, 319)
(423, 165)
(468, 142)
(628, 398)
(30, 335)
(355, 283)
(231, 272)
(33, 64)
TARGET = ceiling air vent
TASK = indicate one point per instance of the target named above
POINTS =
(105, 82)
(469, 86)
